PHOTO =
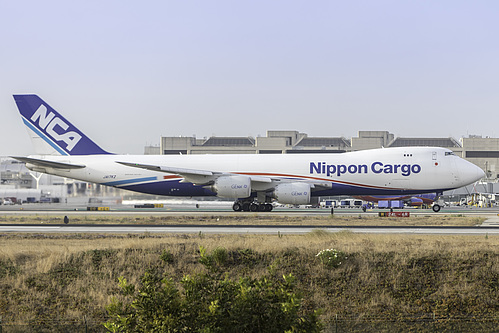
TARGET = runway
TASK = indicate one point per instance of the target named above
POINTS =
(240, 229)
(207, 209)
(490, 227)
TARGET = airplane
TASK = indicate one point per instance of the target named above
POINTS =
(410, 200)
(253, 181)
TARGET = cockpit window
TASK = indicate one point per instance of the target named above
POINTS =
(447, 153)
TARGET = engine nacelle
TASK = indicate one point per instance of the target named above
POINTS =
(232, 187)
(293, 193)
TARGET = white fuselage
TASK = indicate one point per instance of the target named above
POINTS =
(376, 171)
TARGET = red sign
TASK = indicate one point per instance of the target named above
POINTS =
(393, 214)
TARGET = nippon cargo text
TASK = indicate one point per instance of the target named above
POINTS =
(322, 168)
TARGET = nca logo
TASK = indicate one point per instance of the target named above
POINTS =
(49, 122)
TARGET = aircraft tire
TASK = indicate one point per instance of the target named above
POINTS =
(332, 210)
(268, 207)
(246, 207)
(436, 208)
(254, 207)
(237, 207)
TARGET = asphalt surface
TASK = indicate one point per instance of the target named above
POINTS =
(217, 229)
(489, 227)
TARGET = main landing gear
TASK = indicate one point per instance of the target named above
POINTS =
(251, 206)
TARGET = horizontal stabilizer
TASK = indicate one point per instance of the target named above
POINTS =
(48, 164)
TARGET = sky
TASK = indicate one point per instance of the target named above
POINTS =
(128, 72)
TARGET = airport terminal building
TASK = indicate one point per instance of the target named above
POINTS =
(484, 152)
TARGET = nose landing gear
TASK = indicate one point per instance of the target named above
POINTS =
(436, 208)
(438, 203)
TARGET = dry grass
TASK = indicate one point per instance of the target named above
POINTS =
(47, 277)
(249, 219)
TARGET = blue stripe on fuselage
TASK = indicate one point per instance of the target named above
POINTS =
(130, 181)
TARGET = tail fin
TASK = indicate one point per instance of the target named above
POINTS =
(50, 132)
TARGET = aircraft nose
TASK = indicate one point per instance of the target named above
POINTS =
(471, 173)
(479, 173)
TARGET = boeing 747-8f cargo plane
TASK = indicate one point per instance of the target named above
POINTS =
(253, 181)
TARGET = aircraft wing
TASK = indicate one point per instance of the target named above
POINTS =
(195, 176)
(205, 177)
(179, 171)
(199, 177)
(320, 185)
(47, 163)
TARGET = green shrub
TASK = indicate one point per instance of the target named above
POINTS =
(220, 255)
(217, 258)
(166, 256)
(331, 258)
(208, 303)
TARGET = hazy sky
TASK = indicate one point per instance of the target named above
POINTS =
(128, 72)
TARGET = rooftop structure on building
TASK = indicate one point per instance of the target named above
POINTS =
(276, 142)
(450, 143)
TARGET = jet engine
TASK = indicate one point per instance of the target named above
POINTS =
(293, 193)
(232, 187)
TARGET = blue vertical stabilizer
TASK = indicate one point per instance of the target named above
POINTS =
(50, 132)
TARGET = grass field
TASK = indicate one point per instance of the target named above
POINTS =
(387, 282)
(246, 219)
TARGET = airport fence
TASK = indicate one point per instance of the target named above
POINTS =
(338, 324)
